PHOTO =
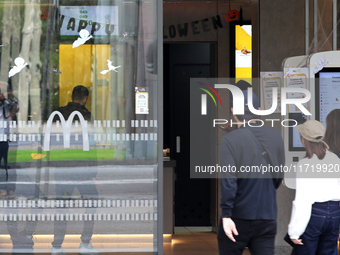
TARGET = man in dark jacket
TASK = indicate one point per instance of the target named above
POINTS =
(80, 94)
(248, 201)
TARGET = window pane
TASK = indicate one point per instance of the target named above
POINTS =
(78, 126)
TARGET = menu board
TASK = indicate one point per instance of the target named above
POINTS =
(296, 78)
(270, 80)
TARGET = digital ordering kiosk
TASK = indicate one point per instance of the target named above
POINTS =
(320, 74)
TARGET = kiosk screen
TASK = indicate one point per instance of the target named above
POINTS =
(327, 92)
(294, 136)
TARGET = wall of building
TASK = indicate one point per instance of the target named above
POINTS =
(282, 25)
(281, 33)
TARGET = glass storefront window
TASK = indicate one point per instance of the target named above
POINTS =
(78, 126)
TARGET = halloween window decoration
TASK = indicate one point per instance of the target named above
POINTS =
(111, 68)
(84, 36)
(231, 15)
(19, 65)
(44, 14)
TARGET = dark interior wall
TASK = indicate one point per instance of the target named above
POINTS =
(199, 13)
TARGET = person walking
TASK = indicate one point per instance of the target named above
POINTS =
(248, 203)
(83, 179)
(315, 218)
(332, 138)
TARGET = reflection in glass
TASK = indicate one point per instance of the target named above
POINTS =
(91, 177)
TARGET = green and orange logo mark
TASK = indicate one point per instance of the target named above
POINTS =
(204, 97)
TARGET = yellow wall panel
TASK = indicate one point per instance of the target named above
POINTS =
(82, 66)
(102, 53)
(75, 68)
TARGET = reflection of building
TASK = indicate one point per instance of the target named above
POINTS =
(125, 141)
(128, 143)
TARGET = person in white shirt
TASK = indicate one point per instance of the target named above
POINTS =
(315, 220)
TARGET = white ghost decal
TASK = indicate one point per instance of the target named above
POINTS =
(84, 37)
(19, 65)
(111, 68)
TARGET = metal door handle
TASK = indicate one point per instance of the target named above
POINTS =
(178, 144)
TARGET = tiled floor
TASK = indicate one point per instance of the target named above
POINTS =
(193, 241)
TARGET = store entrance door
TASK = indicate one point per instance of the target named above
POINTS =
(182, 62)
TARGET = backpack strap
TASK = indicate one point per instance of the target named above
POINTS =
(264, 153)
(275, 176)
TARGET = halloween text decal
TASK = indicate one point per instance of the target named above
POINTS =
(196, 27)
(97, 20)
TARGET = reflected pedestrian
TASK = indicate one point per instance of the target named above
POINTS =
(8, 110)
(21, 237)
(84, 180)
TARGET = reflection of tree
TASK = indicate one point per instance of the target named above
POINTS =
(35, 64)
(27, 35)
(119, 101)
(16, 18)
(27, 82)
(6, 41)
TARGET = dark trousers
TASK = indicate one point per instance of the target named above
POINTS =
(257, 235)
(22, 239)
(3, 171)
(60, 232)
(321, 234)
(87, 191)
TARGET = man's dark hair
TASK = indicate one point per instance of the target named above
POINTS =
(243, 85)
(247, 116)
(79, 93)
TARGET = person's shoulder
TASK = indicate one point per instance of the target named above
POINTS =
(331, 155)
(304, 160)
(235, 137)
(258, 130)
(273, 137)
(270, 130)
(60, 108)
(87, 111)
(235, 134)
(70, 107)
